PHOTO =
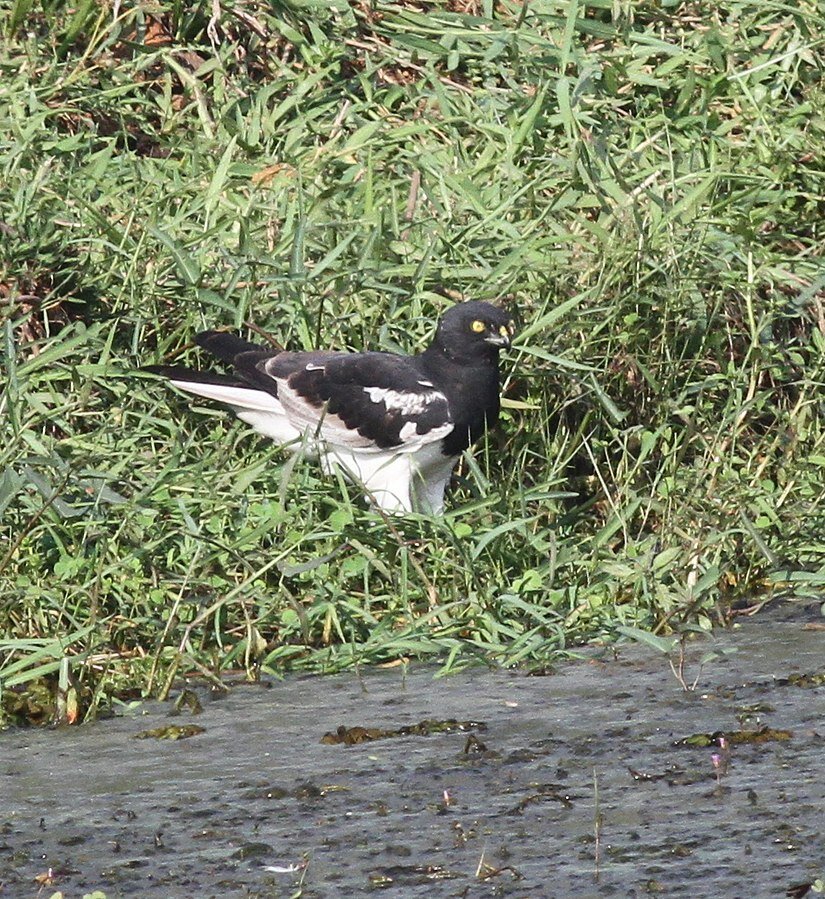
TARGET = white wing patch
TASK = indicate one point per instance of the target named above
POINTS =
(412, 441)
(321, 426)
(405, 402)
(407, 432)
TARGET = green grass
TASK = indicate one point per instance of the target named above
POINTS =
(643, 184)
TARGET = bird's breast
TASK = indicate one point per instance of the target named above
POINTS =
(473, 398)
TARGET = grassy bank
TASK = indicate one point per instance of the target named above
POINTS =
(641, 183)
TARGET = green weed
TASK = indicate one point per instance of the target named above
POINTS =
(643, 184)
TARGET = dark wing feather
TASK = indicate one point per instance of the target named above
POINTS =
(245, 357)
(362, 401)
(226, 346)
(382, 398)
(256, 367)
(182, 373)
(229, 349)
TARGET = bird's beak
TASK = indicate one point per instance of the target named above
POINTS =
(505, 333)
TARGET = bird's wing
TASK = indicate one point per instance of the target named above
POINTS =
(361, 401)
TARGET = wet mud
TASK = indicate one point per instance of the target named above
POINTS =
(605, 778)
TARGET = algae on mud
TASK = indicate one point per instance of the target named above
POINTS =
(260, 806)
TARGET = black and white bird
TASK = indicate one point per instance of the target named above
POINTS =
(395, 424)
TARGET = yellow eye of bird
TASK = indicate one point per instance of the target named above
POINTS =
(478, 326)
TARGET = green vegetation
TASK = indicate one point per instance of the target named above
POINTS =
(643, 183)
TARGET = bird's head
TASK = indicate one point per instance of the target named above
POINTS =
(474, 330)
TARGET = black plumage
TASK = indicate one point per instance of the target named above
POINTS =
(396, 424)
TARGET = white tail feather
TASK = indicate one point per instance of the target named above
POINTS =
(236, 397)
(256, 407)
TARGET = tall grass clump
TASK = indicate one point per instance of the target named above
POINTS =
(641, 183)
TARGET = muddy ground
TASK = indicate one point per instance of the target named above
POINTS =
(569, 785)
